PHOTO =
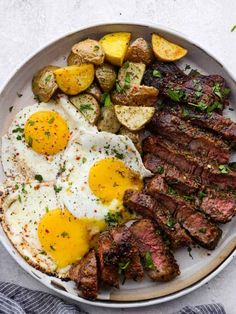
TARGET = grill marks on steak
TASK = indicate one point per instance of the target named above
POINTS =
(158, 260)
(85, 275)
(190, 137)
(204, 232)
(148, 207)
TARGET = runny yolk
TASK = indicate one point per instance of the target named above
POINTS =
(109, 178)
(46, 132)
(66, 238)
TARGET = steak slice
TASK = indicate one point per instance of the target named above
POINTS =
(148, 207)
(158, 259)
(85, 275)
(190, 137)
(207, 174)
(204, 232)
(107, 261)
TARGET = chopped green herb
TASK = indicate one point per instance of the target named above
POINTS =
(31, 122)
(10, 108)
(185, 112)
(217, 90)
(201, 194)
(47, 133)
(106, 100)
(167, 241)
(26, 258)
(62, 169)
(148, 261)
(19, 198)
(38, 177)
(158, 232)
(187, 67)
(215, 105)
(203, 230)
(19, 94)
(160, 169)
(52, 248)
(30, 141)
(57, 189)
(226, 91)
(189, 197)
(51, 120)
(65, 234)
(156, 73)
(119, 89)
(122, 267)
(224, 168)
(170, 222)
(19, 138)
(96, 48)
(46, 209)
(16, 186)
(48, 78)
(85, 107)
(127, 81)
(198, 94)
(19, 129)
(194, 72)
(23, 188)
(126, 65)
(175, 95)
(233, 28)
(171, 190)
(201, 105)
(84, 159)
(117, 154)
(112, 218)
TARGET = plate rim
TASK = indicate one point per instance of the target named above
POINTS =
(115, 304)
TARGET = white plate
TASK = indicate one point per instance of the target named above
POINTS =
(194, 272)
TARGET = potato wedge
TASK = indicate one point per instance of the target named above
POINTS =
(130, 73)
(89, 51)
(74, 79)
(165, 50)
(106, 76)
(140, 51)
(115, 46)
(94, 91)
(134, 136)
(44, 84)
(87, 105)
(134, 118)
(108, 121)
(73, 59)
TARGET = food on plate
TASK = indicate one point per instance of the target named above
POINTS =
(134, 118)
(44, 84)
(87, 51)
(130, 73)
(115, 46)
(74, 79)
(107, 184)
(88, 106)
(165, 50)
(140, 51)
(108, 121)
(106, 76)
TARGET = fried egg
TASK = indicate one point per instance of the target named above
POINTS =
(37, 138)
(98, 168)
(47, 236)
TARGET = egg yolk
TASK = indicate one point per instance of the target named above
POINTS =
(66, 238)
(46, 132)
(109, 178)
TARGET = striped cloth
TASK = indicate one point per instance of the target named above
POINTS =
(18, 300)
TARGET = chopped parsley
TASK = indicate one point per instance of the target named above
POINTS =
(156, 73)
(31, 122)
(170, 222)
(38, 177)
(112, 218)
(198, 94)
(224, 168)
(47, 133)
(226, 91)
(127, 81)
(26, 258)
(96, 48)
(217, 90)
(185, 112)
(65, 234)
(187, 67)
(19, 138)
(233, 28)
(19, 94)
(175, 95)
(106, 99)
(215, 105)
(51, 120)
(117, 154)
(189, 197)
(30, 141)
(19, 198)
(201, 105)
(119, 89)
(203, 230)
(85, 107)
(122, 267)
(84, 159)
(126, 65)
(148, 261)
(48, 78)
(19, 129)
(23, 188)
(159, 169)
(171, 190)
(57, 189)
(46, 209)
(201, 194)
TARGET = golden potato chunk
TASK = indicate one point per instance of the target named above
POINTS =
(165, 50)
(140, 51)
(89, 51)
(134, 136)
(87, 105)
(44, 84)
(115, 46)
(106, 76)
(130, 73)
(74, 79)
(134, 118)
(108, 121)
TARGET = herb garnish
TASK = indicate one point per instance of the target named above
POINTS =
(233, 28)
(159, 169)
(175, 95)
(126, 65)
(201, 105)
(215, 105)
(85, 107)
(170, 222)
(127, 81)
(201, 194)
(189, 197)
(65, 234)
(187, 67)
(18, 129)
(117, 154)
(51, 120)
(156, 73)
(96, 48)
(185, 112)
(224, 168)
(217, 90)
(198, 94)
(38, 177)
(226, 91)
(57, 189)
(29, 141)
(48, 78)
(46, 209)
(112, 218)
(148, 261)
(122, 267)
(119, 89)
(203, 230)
(47, 133)
(84, 159)
(19, 138)
(106, 100)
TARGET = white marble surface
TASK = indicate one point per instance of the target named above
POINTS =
(27, 25)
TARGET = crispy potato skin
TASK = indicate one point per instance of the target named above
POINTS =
(73, 59)
(74, 79)
(106, 76)
(88, 51)
(133, 70)
(140, 51)
(115, 46)
(134, 136)
(137, 95)
(44, 84)
(165, 50)
(108, 121)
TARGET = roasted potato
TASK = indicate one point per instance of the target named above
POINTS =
(134, 118)
(94, 91)
(44, 84)
(165, 50)
(74, 79)
(106, 76)
(137, 95)
(87, 105)
(73, 59)
(108, 121)
(130, 73)
(140, 51)
(115, 46)
(134, 136)
(89, 51)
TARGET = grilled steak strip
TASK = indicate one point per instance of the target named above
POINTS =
(158, 260)
(205, 173)
(148, 207)
(107, 261)
(85, 275)
(197, 225)
(190, 137)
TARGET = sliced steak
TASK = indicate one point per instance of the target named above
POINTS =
(190, 137)
(107, 261)
(148, 207)
(85, 275)
(158, 260)
(204, 232)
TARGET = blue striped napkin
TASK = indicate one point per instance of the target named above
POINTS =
(18, 300)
